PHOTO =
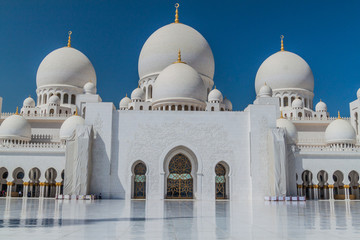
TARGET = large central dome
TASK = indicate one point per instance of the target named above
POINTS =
(159, 50)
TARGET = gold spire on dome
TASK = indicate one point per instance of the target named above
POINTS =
(339, 115)
(69, 39)
(177, 13)
(126, 95)
(215, 86)
(281, 115)
(17, 111)
(282, 43)
(76, 112)
(179, 58)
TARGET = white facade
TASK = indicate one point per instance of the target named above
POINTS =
(177, 137)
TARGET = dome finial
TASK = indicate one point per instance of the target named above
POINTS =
(69, 39)
(339, 115)
(281, 115)
(215, 86)
(126, 95)
(282, 42)
(76, 112)
(177, 5)
(17, 111)
(179, 58)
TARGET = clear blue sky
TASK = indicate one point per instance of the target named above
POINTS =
(242, 34)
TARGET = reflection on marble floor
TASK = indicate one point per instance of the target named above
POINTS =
(120, 219)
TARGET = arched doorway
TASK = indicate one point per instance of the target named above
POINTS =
(323, 190)
(17, 188)
(34, 188)
(339, 191)
(307, 184)
(3, 181)
(354, 185)
(220, 181)
(139, 181)
(50, 187)
(180, 180)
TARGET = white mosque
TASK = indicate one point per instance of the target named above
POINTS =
(177, 136)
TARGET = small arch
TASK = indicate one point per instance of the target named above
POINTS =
(186, 108)
(17, 188)
(150, 108)
(286, 101)
(339, 191)
(131, 108)
(323, 190)
(73, 99)
(66, 98)
(307, 184)
(3, 181)
(172, 107)
(221, 180)
(212, 109)
(50, 187)
(139, 180)
(299, 114)
(52, 111)
(354, 185)
(179, 108)
(34, 187)
(149, 92)
(45, 98)
(141, 108)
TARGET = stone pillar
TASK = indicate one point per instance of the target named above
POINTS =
(316, 192)
(58, 185)
(331, 191)
(347, 192)
(299, 190)
(25, 190)
(42, 184)
(9, 189)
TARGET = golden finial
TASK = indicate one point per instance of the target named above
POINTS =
(281, 115)
(126, 95)
(265, 83)
(282, 42)
(69, 39)
(339, 115)
(215, 86)
(76, 112)
(179, 58)
(17, 111)
(177, 13)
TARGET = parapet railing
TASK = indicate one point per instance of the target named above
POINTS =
(315, 118)
(27, 145)
(31, 116)
(327, 148)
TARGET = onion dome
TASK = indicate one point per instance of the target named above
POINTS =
(54, 100)
(340, 131)
(69, 126)
(291, 131)
(15, 127)
(179, 83)
(89, 88)
(297, 104)
(228, 104)
(138, 94)
(321, 107)
(215, 96)
(265, 91)
(160, 48)
(65, 67)
(124, 103)
(29, 103)
(358, 93)
(285, 70)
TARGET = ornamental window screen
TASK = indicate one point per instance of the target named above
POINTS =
(180, 181)
(140, 181)
(220, 181)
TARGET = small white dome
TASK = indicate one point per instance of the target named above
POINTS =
(228, 104)
(290, 128)
(179, 82)
(265, 91)
(215, 95)
(54, 100)
(297, 104)
(89, 88)
(29, 103)
(65, 67)
(340, 131)
(124, 103)
(15, 127)
(138, 94)
(358, 93)
(321, 107)
(69, 126)
(161, 47)
(285, 70)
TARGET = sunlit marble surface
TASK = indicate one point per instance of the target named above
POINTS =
(120, 219)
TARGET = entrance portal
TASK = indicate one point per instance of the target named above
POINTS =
(220, 181)
(180, 181)
(140, 181)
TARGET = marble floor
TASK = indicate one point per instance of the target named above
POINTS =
(120, 219)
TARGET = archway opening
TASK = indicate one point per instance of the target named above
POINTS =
(17, 188)
(139, 182)
(180, 180)
(34, 187)
(323, 189)
(3, 181)
(354, 185)
(339, 191)
(221, 181)
(50, 186)
(307, 184)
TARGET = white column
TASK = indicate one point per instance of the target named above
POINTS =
(8, 191)
(316, 192)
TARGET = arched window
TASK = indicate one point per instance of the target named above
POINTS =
(141, 108)
(73, 99)
(39, 100)
(339, 191)
(45, 98)
(220, 181)
(173, 108)
(286, 101)
(186, 108)
(149, 92)
(140, 180)
(51, 111)
(354, 185)
(192, 108)
(131, 108)
(179, 181)
(292, 99)
(150, 108)
(307, 184)
(212, 108)
(300, 114)
(179, 108)
(66, 98)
